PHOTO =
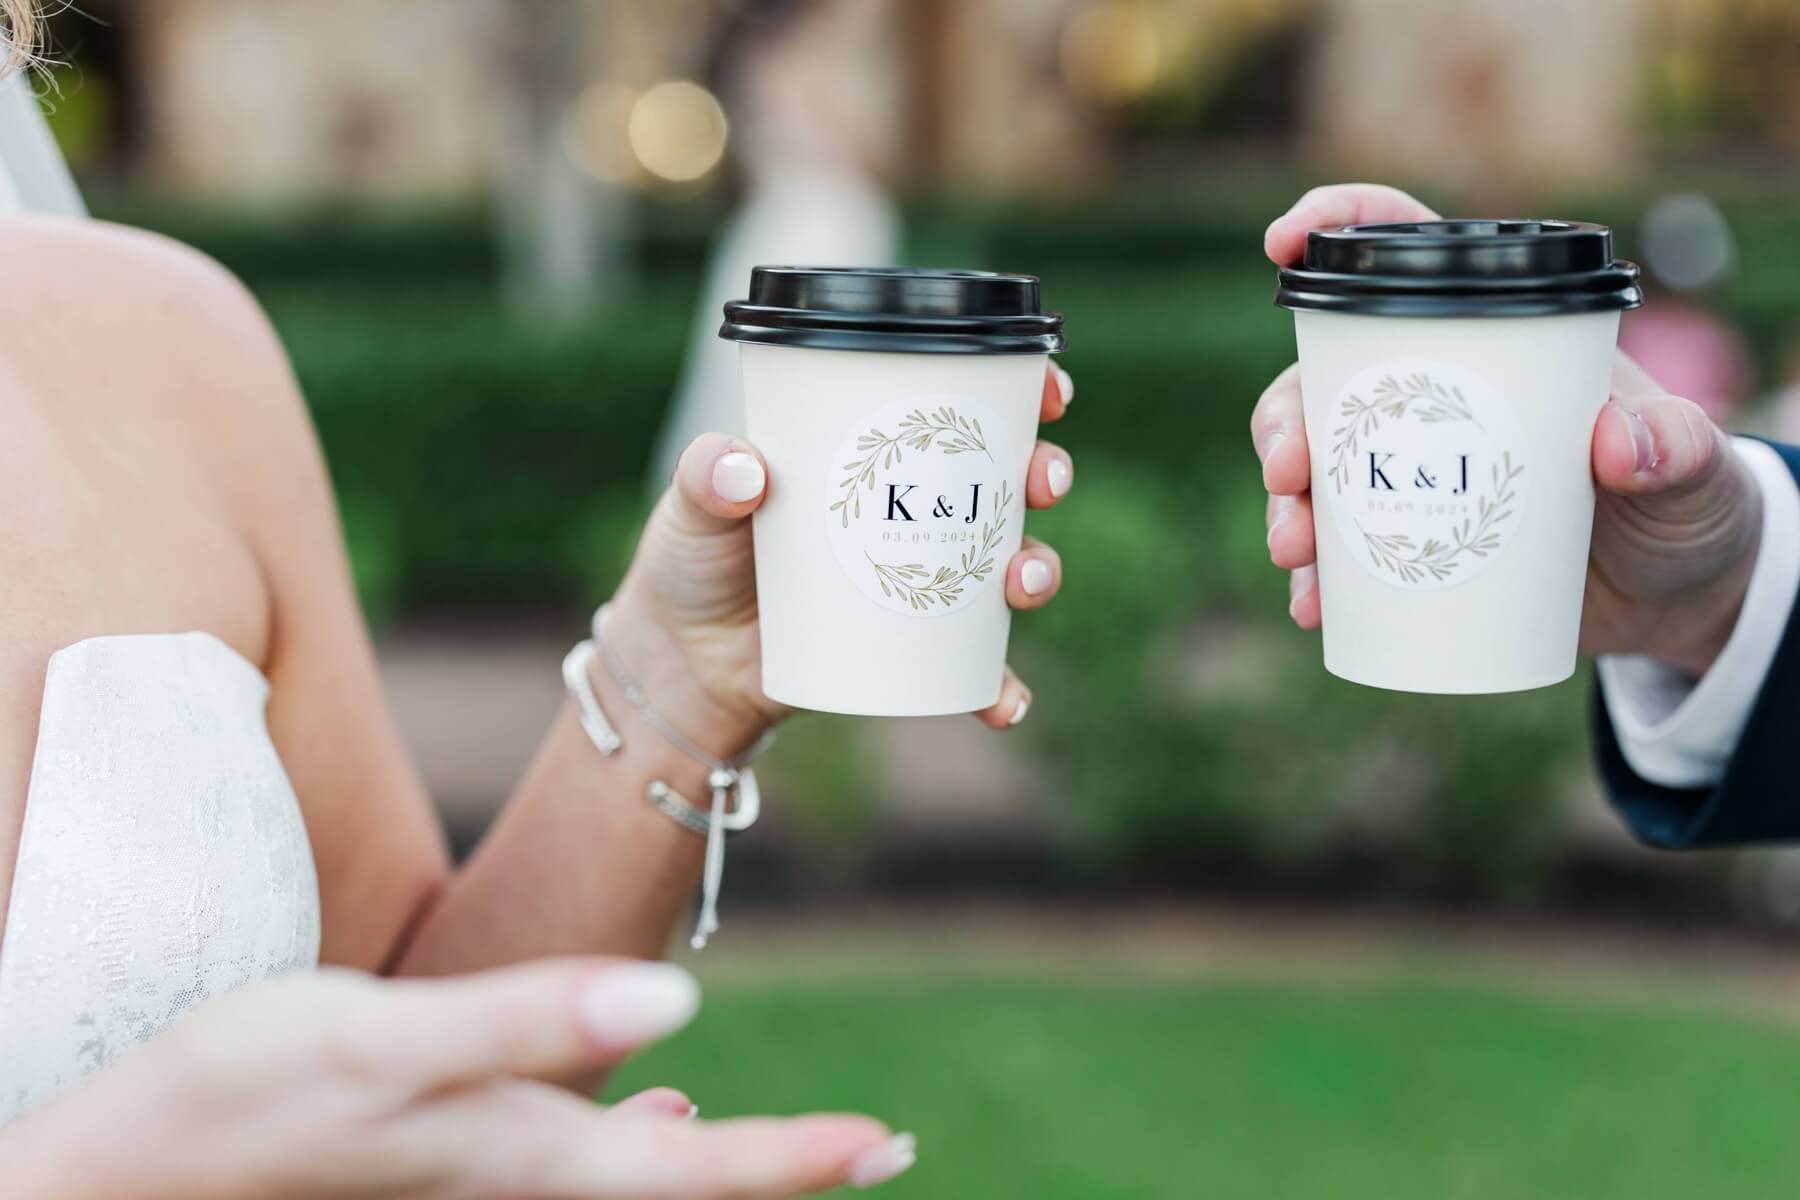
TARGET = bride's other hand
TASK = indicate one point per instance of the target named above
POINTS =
(335, 1084)
(686, 613)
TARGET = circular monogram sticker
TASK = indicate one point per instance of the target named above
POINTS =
(918, 506)
(1428, 473)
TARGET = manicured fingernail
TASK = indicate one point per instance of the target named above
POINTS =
(1060, 475)
(1035, 576)
(1019, 711)
(738, 477)
(1643, 443)
(1298, 582)
(635, 1003)
(1278, 512)
(880, 1164)
(1064, 384)
(693, 1112)
(1270, 443)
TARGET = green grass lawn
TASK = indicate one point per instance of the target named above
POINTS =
(1056, 1086)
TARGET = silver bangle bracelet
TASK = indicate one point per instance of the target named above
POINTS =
(659, 794)
(736, 799)
(587, 705)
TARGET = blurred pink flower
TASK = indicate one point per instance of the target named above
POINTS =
(1691, 353)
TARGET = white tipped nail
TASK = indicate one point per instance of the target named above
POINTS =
(1060, 476)
(693, 1112)
(635, 1003)
(738, 477)
(1035, 576)
(1064, 384)
(1643, 443)
(883, 1162)
(1023, 707)
(1279, 511)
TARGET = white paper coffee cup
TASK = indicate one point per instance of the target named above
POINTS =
(1452, 374)
(898, 412)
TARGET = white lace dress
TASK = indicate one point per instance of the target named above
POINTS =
(163, 857)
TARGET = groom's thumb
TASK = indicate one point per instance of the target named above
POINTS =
(718, 482)
(1658, 445)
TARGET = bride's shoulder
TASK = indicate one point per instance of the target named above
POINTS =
(130, 305)
(56, 253)
(121, 335)
(117, 273)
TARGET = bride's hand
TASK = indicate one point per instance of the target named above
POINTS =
(687, 608)
(336, 1085)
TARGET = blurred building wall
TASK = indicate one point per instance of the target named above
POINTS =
(302, 99)
(1005, 116)
(1478, 96)
(285, 99)
(308, 99)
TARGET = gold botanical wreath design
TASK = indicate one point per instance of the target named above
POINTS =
(920, 588)
(1396, 554)
(919, 430)
(1418, 393)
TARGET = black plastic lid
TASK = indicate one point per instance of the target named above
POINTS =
(909, 310)
(1461, 269)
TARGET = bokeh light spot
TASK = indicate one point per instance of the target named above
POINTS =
(1111, 51)
(677, 131)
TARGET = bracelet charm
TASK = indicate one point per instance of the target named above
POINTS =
(684, 812)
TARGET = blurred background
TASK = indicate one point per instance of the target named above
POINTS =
(1211, 921)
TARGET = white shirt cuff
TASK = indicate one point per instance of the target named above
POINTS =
(1680, 733)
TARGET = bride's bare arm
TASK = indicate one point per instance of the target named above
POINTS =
(578, 862)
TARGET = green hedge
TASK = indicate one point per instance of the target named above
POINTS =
(488, 445)
(482, 462)
(481, 450)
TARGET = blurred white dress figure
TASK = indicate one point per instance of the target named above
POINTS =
(804, 101)
(163, 858)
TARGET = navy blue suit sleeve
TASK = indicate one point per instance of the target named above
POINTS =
(1758, 800)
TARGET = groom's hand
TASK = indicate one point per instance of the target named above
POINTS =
(1678, 519)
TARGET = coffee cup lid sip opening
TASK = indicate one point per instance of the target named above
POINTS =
(906, 310)
(1527, 268)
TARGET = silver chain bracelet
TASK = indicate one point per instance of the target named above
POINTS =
(736, 799)
(661, 796)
